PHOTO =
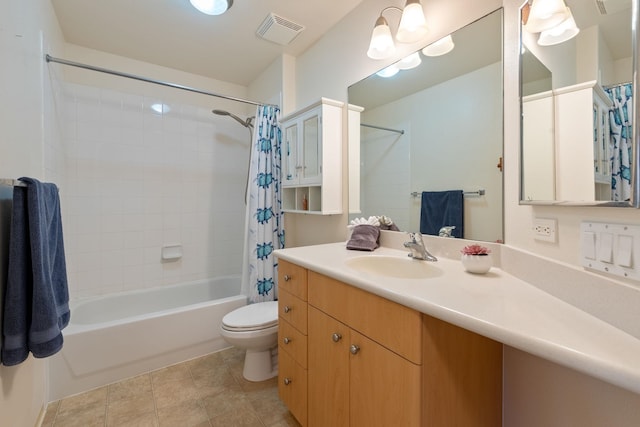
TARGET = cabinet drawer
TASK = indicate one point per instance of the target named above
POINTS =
(292, 386)
(293, 279)
(293, 342)
(293, 310)
(393, 325)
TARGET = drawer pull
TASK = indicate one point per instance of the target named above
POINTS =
(287, 309)
(286, 277)
(354, 349)
(287, 381)
(336, 337)
(286, 340)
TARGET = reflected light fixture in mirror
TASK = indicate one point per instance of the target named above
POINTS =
(440, 47)
(562, 32)
(390, 71)
(212, 7)
(409, 61)
(412, 28)
(545, 14)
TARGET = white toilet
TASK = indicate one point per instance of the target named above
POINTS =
(254, 327)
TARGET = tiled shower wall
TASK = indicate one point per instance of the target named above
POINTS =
(134, 180)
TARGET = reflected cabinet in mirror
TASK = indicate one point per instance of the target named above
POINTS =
(578, 142)
(437, 128)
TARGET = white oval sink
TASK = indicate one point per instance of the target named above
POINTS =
(394, 266)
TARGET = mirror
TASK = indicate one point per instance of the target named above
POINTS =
(435, 128)
(577, 117)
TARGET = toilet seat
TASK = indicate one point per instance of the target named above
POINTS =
(252, 317)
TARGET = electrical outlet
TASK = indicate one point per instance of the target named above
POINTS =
(544, 229)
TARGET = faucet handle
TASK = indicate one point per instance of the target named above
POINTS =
(416, 237)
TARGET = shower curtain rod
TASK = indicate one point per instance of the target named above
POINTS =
(50, 58)
(401, 132)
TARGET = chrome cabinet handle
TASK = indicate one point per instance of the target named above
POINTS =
(286, 277)
(287, 309)
(286, 340)
(354, 349)
(336, 337)
(287, 381)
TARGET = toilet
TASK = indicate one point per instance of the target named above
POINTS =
(254, 327)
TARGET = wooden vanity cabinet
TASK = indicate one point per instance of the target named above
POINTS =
(292, 338)
(373, 362)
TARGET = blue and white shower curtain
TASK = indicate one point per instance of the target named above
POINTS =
(621, 123)
(265, 231)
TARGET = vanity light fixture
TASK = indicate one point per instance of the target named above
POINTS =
(546, 14)
(212, 7)
(439, 47)
(412, 28)
(562, 32)
(409, 61)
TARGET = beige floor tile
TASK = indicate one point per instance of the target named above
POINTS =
(236, 419)
(129, 388)
(87, 416)
(216, 382)
(268, 406)
(50, 414)
(131, 408)
(148, 419)
(97, 397)
(174, 392)
(170, 373)
(188, 414)
(206, 364)
(229, 401)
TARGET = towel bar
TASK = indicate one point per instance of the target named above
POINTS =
(12, 182)
(465, 193)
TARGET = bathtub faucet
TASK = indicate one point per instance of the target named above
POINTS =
(418, 249)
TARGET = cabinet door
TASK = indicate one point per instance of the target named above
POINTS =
(328, 378)
(292, 385)
(290, 155)
(311, 150)
(385, 388)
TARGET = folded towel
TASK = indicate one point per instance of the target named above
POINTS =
(440, 209)
(364, 238)
(36, 302)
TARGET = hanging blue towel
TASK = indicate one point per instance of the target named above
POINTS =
(36, 301)
(442, 208)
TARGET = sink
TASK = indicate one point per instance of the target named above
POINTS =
(394, 266)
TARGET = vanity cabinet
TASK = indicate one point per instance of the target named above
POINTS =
(292, 338)
(373, 362)
(312, 159)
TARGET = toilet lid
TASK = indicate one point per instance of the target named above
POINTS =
(251, 317)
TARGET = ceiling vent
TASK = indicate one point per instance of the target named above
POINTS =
(608, 7)
(279, 30)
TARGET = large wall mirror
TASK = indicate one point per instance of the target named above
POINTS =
(578, 121)
(435, 128)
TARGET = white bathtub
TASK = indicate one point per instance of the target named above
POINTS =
(121, 335)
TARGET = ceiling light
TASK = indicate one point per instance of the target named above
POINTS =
(212, 7)
(439, 47)
(390, 71)
(560, 33)
(545, 14)
(409, 62)
(381, 45)
(413, 26)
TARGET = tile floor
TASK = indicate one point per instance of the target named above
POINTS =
(205, 392)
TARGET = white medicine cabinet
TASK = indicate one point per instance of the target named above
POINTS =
(312, 159)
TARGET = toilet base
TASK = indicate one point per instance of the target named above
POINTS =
(260, 365)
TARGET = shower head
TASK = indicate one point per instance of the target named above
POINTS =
(246, 123)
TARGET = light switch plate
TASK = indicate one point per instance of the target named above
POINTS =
(616, 248)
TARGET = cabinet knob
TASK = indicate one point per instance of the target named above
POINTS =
(286, 277)
(354, 349)
(286, 340)
(336, 337)
(287, 309)
(287, 381)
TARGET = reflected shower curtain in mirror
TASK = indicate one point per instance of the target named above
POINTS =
(265, 231)
(621, 124)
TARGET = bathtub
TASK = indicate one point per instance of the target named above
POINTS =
(117, 336)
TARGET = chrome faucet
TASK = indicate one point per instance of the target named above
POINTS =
(446, 231)
(417, 248)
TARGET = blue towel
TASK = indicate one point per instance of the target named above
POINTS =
(36, 302)
(442, 208)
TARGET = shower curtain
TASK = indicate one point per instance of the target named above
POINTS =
(264, 227)
(621, 121)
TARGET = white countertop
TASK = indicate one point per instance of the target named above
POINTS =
(496, 305)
